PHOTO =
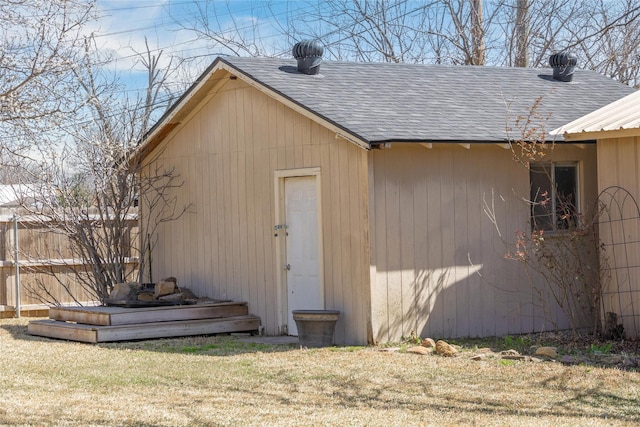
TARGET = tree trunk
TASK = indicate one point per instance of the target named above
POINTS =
(477, 33)
(522, 34)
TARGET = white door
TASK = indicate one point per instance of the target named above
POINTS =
(302, 267)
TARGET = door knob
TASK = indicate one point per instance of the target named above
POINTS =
(287, 267)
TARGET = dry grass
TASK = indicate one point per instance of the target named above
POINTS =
(221, 381)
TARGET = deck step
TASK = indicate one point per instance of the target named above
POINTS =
(114, 316)
(176, 328)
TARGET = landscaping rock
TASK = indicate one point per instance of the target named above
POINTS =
(478, 357)
(172, 297)
(146, 296)
(163, 288)
(389, 349)
(510, 353)
(428, 342)
(445, 349)
(188, 294)
(420, 350)
(550, 352)
(613, 359)
(630, 362)
(514, 357)
(569, 360)
(122, 291)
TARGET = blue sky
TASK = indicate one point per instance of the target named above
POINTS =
(123, 26)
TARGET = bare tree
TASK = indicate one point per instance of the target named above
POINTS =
(523, 33)
(89, 189)
(40, 44)
(609, 40)
(558, 248)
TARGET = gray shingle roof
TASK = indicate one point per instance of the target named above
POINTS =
(382, 102)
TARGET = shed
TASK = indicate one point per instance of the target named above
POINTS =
(616, 128)
(361, 189)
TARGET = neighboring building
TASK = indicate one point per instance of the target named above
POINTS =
(362, 189)
(616, 129)
(17, 195)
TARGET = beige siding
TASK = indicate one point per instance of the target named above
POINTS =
(226, 153)
(618, 166)
(431, 238)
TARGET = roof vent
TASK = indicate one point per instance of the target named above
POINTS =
(309, 56)
(563, 64)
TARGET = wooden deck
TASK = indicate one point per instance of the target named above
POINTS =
(105, 324)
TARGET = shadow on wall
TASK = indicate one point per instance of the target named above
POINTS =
(458, 301)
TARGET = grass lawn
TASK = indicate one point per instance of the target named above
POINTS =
(211, 381)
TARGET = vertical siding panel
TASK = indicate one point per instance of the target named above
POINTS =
(475, 218)
(434, 274)
(420, 249)
(362, 265)
(355, 283)
(337, 233)
(191, 251)
(261, 179)
(329, 253)
(491, 251)
(393, 258)
(271, 298)
(448, 214)
(208, 237)
(205, 223)
(243, 260)
(407, 237)
(248, 122)
(233, 285)
(460, 288)
(300, 139)
(345, 237)
(242, 126)
(379, 295)
(311, 151)
(233, 282)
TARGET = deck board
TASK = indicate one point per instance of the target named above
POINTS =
(95, 333)
(114, 316)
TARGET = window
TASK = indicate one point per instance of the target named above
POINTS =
(554, 195)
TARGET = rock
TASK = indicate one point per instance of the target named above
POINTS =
(146, 296)
(172, 297)
(614, 359)
(188, 294)
(445, 349)
(568, 360)
(170, 279)
(389, 349)
(164, 288)
(428, 342)
(420, 350)
(550, 352)
(122, 291)
(630, 362)
(510, 353)
(480, 356)
(514, 357)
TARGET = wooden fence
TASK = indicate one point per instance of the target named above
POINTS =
(45, 265)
